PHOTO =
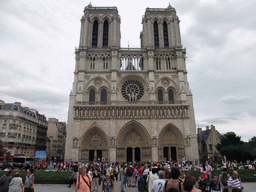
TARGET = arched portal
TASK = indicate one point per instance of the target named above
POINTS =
(171, 143)
(94, 145)
(133, 140)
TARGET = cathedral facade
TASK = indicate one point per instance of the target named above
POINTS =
(130, 104)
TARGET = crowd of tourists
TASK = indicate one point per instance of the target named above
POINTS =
(148, 177)
(152, 177)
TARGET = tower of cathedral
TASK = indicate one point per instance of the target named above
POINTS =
(130, 104)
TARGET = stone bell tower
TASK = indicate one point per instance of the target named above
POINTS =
(130, 104)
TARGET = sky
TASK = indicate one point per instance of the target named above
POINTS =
(38, 40)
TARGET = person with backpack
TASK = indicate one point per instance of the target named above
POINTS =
(215, 184)
(5, 181)
(108, 184)
(174, 182)
(129, 174)
(84, 182)
(202, 183)
(223, 178)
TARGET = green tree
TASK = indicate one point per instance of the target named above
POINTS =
(252, 146)
(233, 148)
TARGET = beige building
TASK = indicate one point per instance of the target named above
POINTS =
(130, 104)
(19, 129)
(57, 136)
(207, 141)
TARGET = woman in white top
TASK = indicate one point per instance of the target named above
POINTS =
(151, 178)
(16, 183)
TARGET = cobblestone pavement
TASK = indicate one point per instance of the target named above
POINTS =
(248, 187)
(64, 188)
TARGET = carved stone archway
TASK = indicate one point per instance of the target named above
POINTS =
(171, 143)
(94, 143)
(133, 135)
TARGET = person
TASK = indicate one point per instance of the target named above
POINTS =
(215, 184)
(224, 180)
(108, 184)
(5, 180)
(16, 183)
(29, 181)
(122, 177)
(234, 181)
(151, 178)
(202, 183)
(95, 179)
(84, 181)
(174, 182)
(72, 178)
(208, 168)
(158, 184)
(189, 184)
(128, 174)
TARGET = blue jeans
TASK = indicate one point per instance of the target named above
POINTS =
(122, 184)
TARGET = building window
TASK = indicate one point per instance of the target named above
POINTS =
(156, 35)
(158, 63)
(5, 122)
(160, 96)
(92, 63)
(105, 34)
(103, 97)
(210, 147)
(95, 34)
(105, 63)
(92, 97)
(168, 64)
(171, 96)
(165, 30)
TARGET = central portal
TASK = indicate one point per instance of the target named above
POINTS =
(133, 143)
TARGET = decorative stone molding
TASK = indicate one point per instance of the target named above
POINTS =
(108, 77)
(112, 142)
(154, 141)
(75, 142)
(126, 112)
(98, 82)
(87, 77)
(165, 82)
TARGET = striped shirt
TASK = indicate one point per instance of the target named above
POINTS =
(232, 183)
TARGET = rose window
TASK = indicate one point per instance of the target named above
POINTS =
(132, 90)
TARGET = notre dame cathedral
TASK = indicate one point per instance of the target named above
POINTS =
(130, 104)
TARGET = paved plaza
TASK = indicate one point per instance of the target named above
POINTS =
(248, 187)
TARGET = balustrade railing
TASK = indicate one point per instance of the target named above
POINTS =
(90, 112)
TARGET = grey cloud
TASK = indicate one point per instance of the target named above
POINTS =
(232, 100)
(216, 121)
(37, 96)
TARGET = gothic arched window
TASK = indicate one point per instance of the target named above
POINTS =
(105, 34)
(95, 34)
(171, 96)
(160, 96)
(165, 30)
(92, 97)
(156, 35)
(158, 63)
(103, 97)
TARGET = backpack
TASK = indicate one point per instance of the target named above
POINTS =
(129, 172)
(2, 180)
